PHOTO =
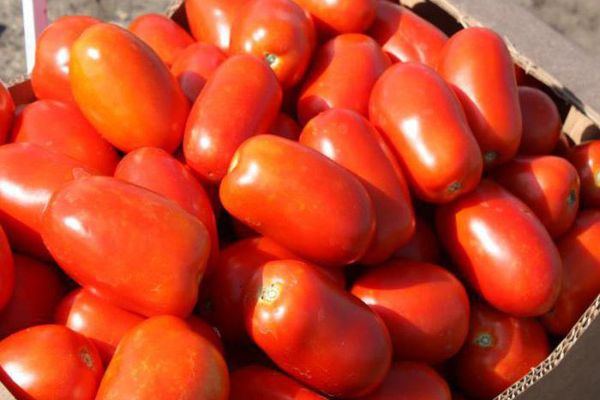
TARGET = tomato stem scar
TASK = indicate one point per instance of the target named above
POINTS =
(270, 58)
(490, 156)
(484, 340)
(455, 187)
(271, 292)
(572, 198)
(86, 357)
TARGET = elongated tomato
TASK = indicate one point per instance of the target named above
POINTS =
(478, 66)
(7, 111)
(422, 120)
(7, 270)
(549, 185)
(213, 132)
(423, 246)
(210, 20)
(541, 122)
(132, 246)
(343, 73)
(350, 140)
(299, 198)
(340, 16)
(163, 357)
(502, 249)
(194, 65)
(405, 36)
(349, 354)
(125, 90)
(586, 160)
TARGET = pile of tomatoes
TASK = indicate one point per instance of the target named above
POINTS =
(302, 199)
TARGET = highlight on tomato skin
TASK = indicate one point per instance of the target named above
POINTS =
(211, 20)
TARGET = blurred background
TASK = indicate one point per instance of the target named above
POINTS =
(579, 20)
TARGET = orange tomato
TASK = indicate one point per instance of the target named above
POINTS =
(585, 158)
(541, 122)
(340, 16)
(7, 271)
(7, 112)
(210, 20)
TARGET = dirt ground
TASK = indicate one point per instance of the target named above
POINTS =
(579, 20)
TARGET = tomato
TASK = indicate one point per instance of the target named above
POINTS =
(411, 381)
(62, 128)
(340, 16)
(131, 246)
(542, 126)
(50, 75)
(284, 190)
(213, 132)
(549, 185)
(256, 382)
(586, 159)
(194, 65)
(564, 146)
(348, 355)
(163, 358)
(342, 75)
(50, 362)
(437, 150)
(502, 250)
(7, 271)
(425, 308)
(499, 350)
(285, 126)
(423, 246)
(7, 111)
(206, 331)
(280, 32)
(157, 170)
(405, 36)
(125, 91)
(580, 255)
(478, 66)
(162, 34)
(350, 140)
(28, 177)
(210, 20)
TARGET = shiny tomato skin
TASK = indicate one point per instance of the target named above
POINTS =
(502, 250)
(7, 271)
(477, 64)
(411, 381)
(7, 113)
(28, 177)
(405, 36)
(425, 308)
(499, 350)
(585, 158)
(335, 17)
(342, 75)
(279, 31)
(62, 128)
(50, 75)
(164, 357)
(348, 138)
(284, 190)
(423, 246)
(285, 126)
(162, 249)
(580, 255)
(542, 126)
(50, 362)
(549, 185)
(162, 34)
(348, 356)
(210, 20)
(194, 65)
(213, 133)
(125, 90)
(437, 151)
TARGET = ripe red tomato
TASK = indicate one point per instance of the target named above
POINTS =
(125, 90)
(549, 185)
(425, 308)
(28, 177)
(162, 34)
(7, 271)
(541, 122)
(423, 246)
(50, 362)
(499, 350)
(285, 126)
(164, 358)
(206, 331)
(194, 65)
(284, 190)
(437, 150)
(580, 255)
(210, 20)
(342, 75)
(7, 112)
(62, 128)
(279, 31)
(411, 381)
(50, 75)
(586, 160)
(340, 16)
(405, 36)
(213, 133)
(564, 146)
(101, 229)
(348, 355)
(256, 382)
(350, 140)
(478, 66)
(502, 250)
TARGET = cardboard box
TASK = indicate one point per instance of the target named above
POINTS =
(573, 78)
